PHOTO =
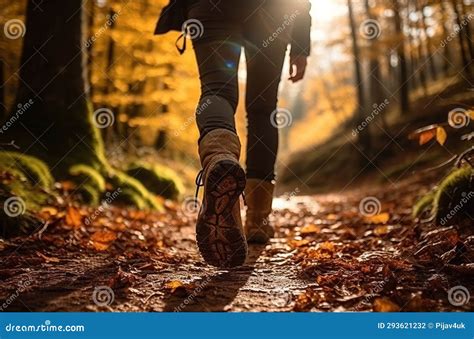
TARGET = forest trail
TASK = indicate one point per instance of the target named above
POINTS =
(326, 257)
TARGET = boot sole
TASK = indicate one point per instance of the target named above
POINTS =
(220, 240)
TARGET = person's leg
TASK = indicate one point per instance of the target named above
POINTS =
(219, 231)
(264, 67)
(217, 51)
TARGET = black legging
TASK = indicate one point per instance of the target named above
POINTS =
(227, 26)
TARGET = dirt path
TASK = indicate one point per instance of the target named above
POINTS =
(327, 256)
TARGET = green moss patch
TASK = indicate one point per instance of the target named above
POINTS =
(158, 179)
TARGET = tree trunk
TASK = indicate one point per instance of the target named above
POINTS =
(447, 51)
(467, 29)
(429, 44)
(58, 127)
(404, 86)
(364, 138)
(3, 107)
(464, 56)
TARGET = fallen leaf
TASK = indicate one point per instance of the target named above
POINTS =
(101, 240)
(425, 137)
(424, 134)
(73, 217)
(381, 218)
(173, 285)
(381, 230)
(441, 135)
(310, 229)
(68, 185)
(385, 305)
(177, 288)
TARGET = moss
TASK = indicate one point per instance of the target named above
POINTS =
(424, 204)
(35, 171)
(130, 197)
(454, 200)
(135, 191)
(158, 179)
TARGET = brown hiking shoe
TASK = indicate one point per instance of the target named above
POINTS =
(219, 230)
(259, 197)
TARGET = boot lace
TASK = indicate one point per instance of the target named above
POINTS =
(199, 183)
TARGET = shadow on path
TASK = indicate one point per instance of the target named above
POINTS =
(215, 292)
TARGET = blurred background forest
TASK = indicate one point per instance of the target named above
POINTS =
(379, 70)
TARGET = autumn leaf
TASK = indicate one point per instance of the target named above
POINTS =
(385, 305)
(470, 114)
(381, 230)
(73, 217)
(425, 134)
(441, 135)
(101, 240)
(67, 185)
(177, 288)
(48, 212)
(310, 229)
(381, 218)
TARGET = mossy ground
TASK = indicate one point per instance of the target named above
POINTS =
(452, 201)
(158, 179)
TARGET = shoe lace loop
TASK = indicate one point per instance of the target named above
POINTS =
(199, 182)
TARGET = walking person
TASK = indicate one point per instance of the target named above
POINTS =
(219, 30)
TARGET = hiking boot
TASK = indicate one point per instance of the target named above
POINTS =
(259, 197)
(219, 230)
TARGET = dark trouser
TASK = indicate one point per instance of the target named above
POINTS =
(227, 26)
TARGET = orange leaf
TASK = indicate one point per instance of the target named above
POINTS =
(381, 230)
(381, 218)
(426, 136)
(47, 212)
(73, 217)
(176, 287)
(68, 185)
(385, 305)
(441, 135)
(309, 229)
(101, 240)
(470, 113)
